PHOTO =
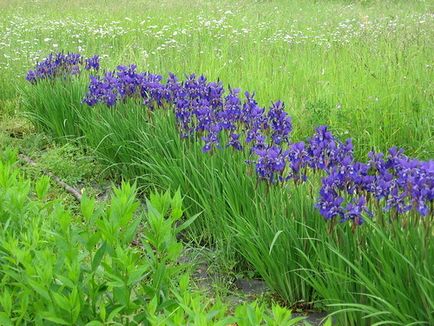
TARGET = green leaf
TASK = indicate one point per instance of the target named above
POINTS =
(130, 232)
(98, 256)
(39, 289)
(93, 240)
(328, 322)
(137, 274)
(87, 206)
(65, 281)
(6, 301)
(102, 311)
(4, 319)
(184, 282)
(114, 312)
(274, 240)
(176, 205)
(176, 213)
(152, 306)
(56, 320)
(75, 303)
(42, 186)
(187, 223)
(212, 314)
(116, 281)
(61, 301)
(94, 323)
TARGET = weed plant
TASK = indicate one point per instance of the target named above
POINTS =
(112, 264)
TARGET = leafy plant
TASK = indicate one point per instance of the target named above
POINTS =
(109, 265)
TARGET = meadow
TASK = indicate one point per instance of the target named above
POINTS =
(269, 178)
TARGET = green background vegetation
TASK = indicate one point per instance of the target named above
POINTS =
(364, 68)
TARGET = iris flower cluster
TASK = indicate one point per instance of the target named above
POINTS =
(126, 83)
(201, 108)
(394, 182)
(221, 118)
(60, 64)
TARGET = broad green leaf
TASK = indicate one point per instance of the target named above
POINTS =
(39, 289)
(114, 313)
(56, 320)
(137, 274)
(94, 323)
(61, 301)
(98, 256)
(130, 232)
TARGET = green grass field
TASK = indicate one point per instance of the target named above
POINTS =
(364, 68)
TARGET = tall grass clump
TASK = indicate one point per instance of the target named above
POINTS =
(54, 108)
(231, 202)
(380, 274)
(311, 219)
(59, 120)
